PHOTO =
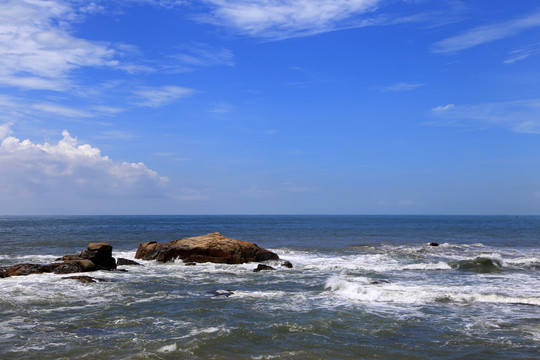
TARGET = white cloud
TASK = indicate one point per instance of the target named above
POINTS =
(401, 87)
(286, 18)
(522, 116)
(443, 107)
(36, 49)
(522, 54)
(69, 170)
(159, 96)
(488, 33)
(205, 55)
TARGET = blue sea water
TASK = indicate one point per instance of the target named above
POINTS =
(362, 287)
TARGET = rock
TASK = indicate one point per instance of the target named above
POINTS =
(433, 244)
(27, 269)
(262, 267)
(190, 264)
(83, 279)
(287, 264)
(75, 266)
(214, 248)
(101, 255)
(97, 256)
(4, 273)
(122, 261)
(221, 293)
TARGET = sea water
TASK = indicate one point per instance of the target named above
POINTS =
(362, 287)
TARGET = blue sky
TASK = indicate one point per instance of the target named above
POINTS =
(269, 107)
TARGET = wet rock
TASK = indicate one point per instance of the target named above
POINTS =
(214, 248)
(75, 266)
(190, 264)
(122, 261)
(3, 273)
(262, 267)
(433, 244)
(97, 256)
(287, 264)
(83, 279)
(221, 293)
(28, 269)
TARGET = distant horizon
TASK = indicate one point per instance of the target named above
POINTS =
(269, 107)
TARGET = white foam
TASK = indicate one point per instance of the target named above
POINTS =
(168, 348)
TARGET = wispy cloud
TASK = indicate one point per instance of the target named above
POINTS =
(487, 33)
(401, 87)
(286, 18)
(36, 49)
(521, 116)
(196, 55)
(159, 96)
(523, 53)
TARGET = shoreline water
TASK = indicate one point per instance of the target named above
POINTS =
(361, 287)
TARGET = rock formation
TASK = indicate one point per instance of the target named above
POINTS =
(97, 256)
(213, 247)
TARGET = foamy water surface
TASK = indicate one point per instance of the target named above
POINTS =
(346, 296)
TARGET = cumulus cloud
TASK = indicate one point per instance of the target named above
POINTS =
(36, 49)
(286, 18)
(522, 116)
(69, 170)
(488, 33)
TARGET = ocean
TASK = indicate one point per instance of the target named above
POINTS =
(361, 287)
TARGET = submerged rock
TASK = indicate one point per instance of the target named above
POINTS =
(262, 267)
(213, 247)
(433, 244)
(287, 264)
(221, 293)
(83, 279)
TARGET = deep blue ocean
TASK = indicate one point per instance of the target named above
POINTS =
(362, 287)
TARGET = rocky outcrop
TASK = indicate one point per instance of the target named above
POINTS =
(214, 248)
(97, 256)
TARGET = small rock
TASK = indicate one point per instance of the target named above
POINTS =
(433, 244)
(122, 261)
(191, 263)
(262, 267)
(287, 264)
(221, 293)
(83, 279)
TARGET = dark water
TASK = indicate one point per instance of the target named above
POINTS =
(361, 287)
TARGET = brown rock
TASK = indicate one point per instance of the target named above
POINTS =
(27, 269)
(287, 264)
(213, 247)
(122, 261)
(75, 266)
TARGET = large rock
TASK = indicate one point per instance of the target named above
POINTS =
(97, 256)
(27, 269)
(213, 247)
